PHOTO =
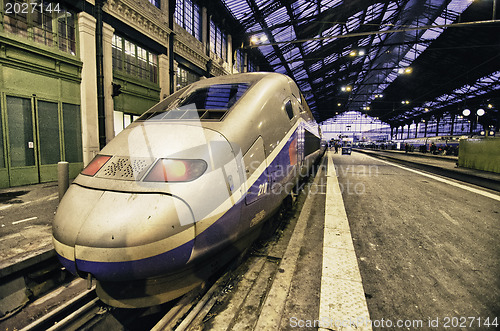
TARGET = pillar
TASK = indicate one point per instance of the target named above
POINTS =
(107, 49)
(245, 62)
(163, 75)
(88, 89)
(452, 124)
(230, 51)
(205, 30)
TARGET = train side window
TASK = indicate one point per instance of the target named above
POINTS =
(301, 108)
(289, 109)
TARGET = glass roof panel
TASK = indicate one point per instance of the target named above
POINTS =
(328, 59)
(303, 8)
(327, 4)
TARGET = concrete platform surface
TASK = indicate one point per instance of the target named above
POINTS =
(26, 215)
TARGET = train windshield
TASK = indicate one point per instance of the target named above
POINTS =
(205, 103)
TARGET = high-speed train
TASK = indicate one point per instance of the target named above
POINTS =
(186, 187)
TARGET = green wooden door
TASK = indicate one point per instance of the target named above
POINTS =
(4, 173)
(22, 155)
(33, 140)
(48, 138)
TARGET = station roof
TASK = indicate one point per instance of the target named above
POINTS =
(399, 61)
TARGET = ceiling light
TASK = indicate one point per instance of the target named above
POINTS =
(346, 88)
(480, 112)
(405, 71)
(490, 105)
(263, 39)
(352, 53)
(466, 112)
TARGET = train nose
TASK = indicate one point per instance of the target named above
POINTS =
(122, 236)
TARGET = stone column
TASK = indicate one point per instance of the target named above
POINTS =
(176, 66)
(163, 75)
(107, 39)
(88, 87)
(205, 29)
(230, 52)
(245, 62)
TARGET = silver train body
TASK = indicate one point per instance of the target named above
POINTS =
(185, 187)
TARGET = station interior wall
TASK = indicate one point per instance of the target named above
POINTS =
(56, 95)
(40, 112)
(480, 154)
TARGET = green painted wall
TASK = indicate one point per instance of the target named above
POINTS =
(136, 96)
(480, 154)
(37, 73)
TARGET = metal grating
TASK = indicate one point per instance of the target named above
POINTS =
(124, 168)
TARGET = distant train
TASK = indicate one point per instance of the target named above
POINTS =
(447, 145)
(186, 187)
(437, 145)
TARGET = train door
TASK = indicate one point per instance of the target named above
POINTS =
(33, 144)
(257, 197)
(255, 162)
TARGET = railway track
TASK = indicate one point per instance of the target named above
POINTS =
(86, 312)
(69, 316)
(191, 312)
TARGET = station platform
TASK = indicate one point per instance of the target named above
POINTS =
(377, 245)
(445, 165)
(26, 214)
(374, 245)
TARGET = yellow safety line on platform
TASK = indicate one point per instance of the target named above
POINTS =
(342, 299)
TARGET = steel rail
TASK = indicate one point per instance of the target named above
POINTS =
(67, 314)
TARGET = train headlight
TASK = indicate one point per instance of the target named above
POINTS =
(95, 165)
(176, 170)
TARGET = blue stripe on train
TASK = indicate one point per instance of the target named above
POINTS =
(68, 264)
(138, 269)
